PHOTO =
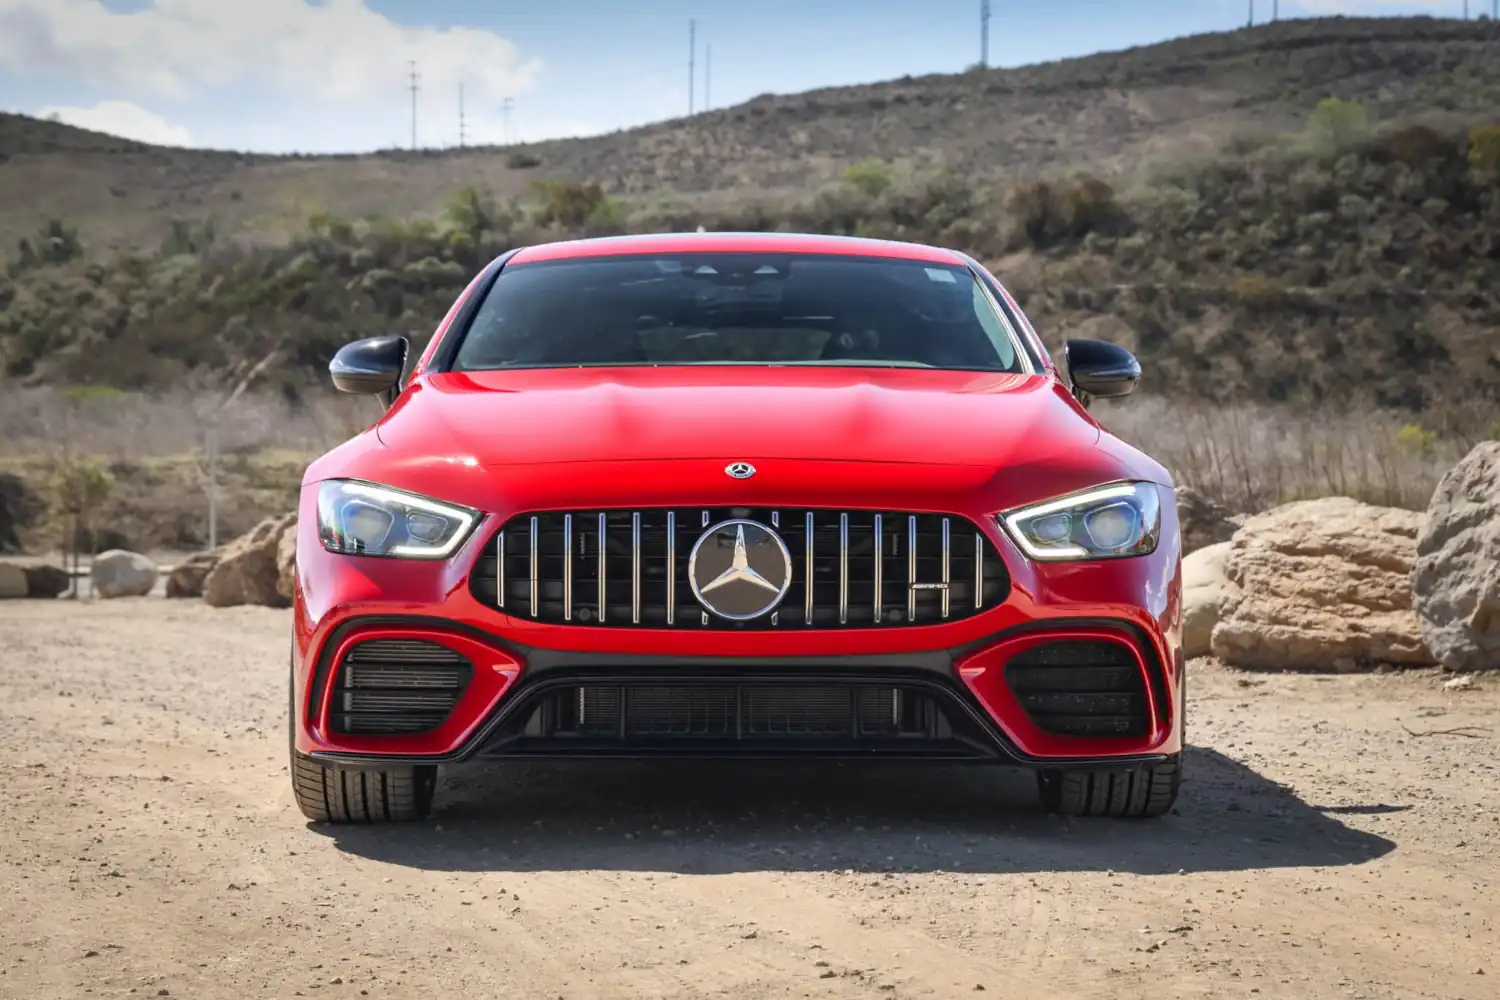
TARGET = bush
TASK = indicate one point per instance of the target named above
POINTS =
(565, 203)
(872, 176)
(1047, 212)
(1335, 123)
(521, 160)
(55, 243)
(1484, 148)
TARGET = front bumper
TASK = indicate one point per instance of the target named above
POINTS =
(974, 710)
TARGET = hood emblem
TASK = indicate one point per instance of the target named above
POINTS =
(740, 569)
(740, 470)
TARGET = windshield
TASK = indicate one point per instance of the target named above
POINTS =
(738, 308)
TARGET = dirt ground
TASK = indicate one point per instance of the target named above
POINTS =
(152, 849)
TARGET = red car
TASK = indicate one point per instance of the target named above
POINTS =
(749, 496)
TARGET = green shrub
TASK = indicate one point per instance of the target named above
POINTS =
(522, 160)
(1336, 123)
(1416, 440)
(872, 176)
(1484, 148)
(565, 203)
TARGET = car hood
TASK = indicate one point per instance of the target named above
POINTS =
(540, 417)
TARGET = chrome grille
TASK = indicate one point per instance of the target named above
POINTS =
(850, 569)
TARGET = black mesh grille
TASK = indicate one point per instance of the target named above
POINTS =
(739, 712)
(397, 686)
(1081, 688)
(644, 568)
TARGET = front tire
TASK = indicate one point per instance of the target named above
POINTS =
(1139, 793)
(335, 795)
(338, 795)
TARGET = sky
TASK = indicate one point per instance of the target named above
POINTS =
(335, 75)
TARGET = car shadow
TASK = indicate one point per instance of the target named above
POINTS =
(722, 816)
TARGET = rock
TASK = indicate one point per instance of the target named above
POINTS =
(1322, 585)
(1203, 522)
(286, 562)
(187, 577)
(47, 581)
(12, 581)
(118, 573)
(246, 573)
(1204, 586)
(1456, 579)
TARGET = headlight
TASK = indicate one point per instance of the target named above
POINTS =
(367, 520)
(1109, 522)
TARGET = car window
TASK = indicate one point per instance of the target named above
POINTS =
(737, 308)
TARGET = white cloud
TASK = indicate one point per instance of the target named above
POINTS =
(121, 118)
(338, 50)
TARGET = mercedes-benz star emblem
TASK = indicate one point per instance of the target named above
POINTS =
(740, 569)
(740, 470)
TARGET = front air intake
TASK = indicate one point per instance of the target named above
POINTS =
(388, 687)
(1076, 687)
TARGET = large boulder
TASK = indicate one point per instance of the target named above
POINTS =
(118, 573)
(187, 577)
(46, 581)
(247, 573)
(1202, 521)
(286, 563)
(1456, 579)
(12, 581)
(1204, 588)
(1322, 585)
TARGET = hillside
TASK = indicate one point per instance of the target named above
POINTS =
(1294, 247)
(1111, 112)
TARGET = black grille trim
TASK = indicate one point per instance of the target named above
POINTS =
(391, 687)
(641, 716)
(551, 567)
(1078, 687)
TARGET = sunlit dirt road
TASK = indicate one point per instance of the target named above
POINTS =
(151, 849)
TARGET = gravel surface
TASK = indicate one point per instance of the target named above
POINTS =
(152, 849)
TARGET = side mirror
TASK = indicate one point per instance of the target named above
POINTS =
(1100, 370)
(370, 367)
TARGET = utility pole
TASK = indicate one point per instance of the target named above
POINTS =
(1252, 15)
(984, 33)
(505, 119)
(708, 75)
(1275, 10)
(413, 86)
(692, 54)
(462, 131)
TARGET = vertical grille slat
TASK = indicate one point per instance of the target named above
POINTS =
(849, 568)
(671, 567)
(843, 569)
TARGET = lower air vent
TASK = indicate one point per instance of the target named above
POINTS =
(1080, 687)
(388, 687)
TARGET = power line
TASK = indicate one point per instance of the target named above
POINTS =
(984, 33)
(692, 54)
(413, 86)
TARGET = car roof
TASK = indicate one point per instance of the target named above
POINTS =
(850, 246)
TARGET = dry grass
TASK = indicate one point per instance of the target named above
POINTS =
(43, 422)
(1253, 457)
